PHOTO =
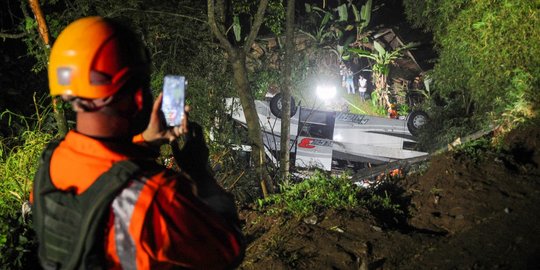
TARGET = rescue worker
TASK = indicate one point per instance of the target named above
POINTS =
(99, 199)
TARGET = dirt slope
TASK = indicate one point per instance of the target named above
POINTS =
(467, 211)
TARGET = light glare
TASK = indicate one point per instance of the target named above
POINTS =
(325, 92)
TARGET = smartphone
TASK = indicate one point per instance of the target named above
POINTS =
(172, 106)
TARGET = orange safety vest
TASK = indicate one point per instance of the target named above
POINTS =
(157, 221)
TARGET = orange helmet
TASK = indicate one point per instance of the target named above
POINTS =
(94, 57)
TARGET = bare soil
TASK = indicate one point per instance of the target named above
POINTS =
(479, 211)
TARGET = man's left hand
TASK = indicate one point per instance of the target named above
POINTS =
(158, 132)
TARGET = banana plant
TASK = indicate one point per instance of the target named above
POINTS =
(381, 56)
(325, 30)
(362, 18)
(335, 22)
(381, 66)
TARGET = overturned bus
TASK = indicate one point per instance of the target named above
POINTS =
(334, 140)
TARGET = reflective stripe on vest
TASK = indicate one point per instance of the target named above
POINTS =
(123, 207)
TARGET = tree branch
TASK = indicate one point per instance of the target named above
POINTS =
(220, 11)
(257, 22)
(42, 24)
(157, 12)
(23, 9)
(215, 28)
(12, 36)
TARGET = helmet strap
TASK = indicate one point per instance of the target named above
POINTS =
(90, 105)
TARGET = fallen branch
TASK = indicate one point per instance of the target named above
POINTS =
(405, 165)
(462, 140)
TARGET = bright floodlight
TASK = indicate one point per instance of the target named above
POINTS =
(325, 92)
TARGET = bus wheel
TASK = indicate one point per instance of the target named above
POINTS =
(276, 107)
(416, 120)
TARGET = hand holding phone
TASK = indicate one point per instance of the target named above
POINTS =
(172, 106)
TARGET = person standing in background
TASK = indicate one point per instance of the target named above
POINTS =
(349, 83)
(362, 87)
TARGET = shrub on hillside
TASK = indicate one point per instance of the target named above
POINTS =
(489, 58)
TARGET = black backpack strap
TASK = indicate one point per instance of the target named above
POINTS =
(42, 184)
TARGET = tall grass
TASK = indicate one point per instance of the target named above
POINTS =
(19, 154)
(19, 160)
(18, 165)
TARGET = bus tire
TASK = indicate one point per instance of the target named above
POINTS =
(415, 121)
(276, 107)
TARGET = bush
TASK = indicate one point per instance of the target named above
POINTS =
(387, 202)
(446, 124)
(489, 56)
(18, 245)
(474, 150)
(322, 192)
(312, 195)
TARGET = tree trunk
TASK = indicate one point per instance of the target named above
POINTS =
(252, 118)
(237, 58)
(284, 159)
(59, 116)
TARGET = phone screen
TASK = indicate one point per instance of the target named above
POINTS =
(172, 106)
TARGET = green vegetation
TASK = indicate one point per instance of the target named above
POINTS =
(19, 159)
(474, 150)
(381, 68)
(487, 73)
(322, 192)
(18, 246)
(488, 66)
(387, 201)
(18, 166)
(19, 156)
